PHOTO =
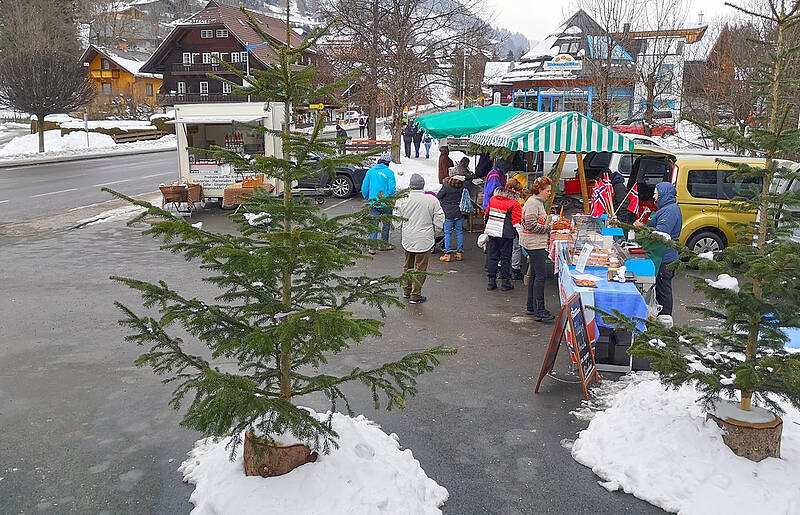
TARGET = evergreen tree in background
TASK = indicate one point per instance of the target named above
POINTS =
(288, 284)
(744, 354)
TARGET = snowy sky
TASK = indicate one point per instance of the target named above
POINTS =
(537, 20)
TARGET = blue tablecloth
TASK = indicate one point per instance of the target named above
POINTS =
(607, 296)
(610, 295)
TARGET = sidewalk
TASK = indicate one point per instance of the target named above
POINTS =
(124, 149)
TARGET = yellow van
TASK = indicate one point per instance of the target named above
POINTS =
(703, 191)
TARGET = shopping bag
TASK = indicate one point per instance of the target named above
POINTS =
(466, 203)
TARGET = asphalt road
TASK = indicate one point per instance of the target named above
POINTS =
(36, 190)
(84, 431)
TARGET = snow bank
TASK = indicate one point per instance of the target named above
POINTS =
(55, 142)
(125, 125)
(367, 474)
(655, 443)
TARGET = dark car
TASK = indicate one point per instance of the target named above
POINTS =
(343, 183)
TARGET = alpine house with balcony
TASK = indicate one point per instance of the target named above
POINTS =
(186, 56)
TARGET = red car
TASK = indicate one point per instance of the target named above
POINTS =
(636, 126)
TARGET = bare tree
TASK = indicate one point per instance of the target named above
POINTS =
(109, 22)
(38, 23)
(659, 61)
(42, 82)
(613, 17)
(406, 47)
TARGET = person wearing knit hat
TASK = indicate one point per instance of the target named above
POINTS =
(420, 214)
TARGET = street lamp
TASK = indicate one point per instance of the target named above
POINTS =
(247, 58)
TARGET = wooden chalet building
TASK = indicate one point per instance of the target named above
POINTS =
(184, 58)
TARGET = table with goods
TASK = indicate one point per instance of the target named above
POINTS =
(593, 259)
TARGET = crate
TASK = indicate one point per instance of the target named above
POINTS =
(572, 186)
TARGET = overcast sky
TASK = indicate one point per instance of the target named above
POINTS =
(538, 19)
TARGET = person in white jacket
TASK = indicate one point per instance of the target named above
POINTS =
(421, 214)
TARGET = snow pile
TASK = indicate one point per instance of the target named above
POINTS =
(74, 144)
(707, 255)
(367, 474)
(125, 125)
(55, 142)
(655, 443)
(724, 282)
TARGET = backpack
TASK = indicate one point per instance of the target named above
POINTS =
(465, 205)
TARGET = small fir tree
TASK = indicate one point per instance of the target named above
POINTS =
(288, 286)
(744, 354)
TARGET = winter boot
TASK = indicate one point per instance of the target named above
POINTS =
(446, 257)
(506, 285)
(459, 257)
(492, 284)
(516, 274)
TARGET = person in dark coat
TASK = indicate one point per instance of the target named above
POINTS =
(408, 136)
(620, 191)
(667, 220)
(417, 138)
(341, 133)
(445, 163)
(483, 166)
(450, 198)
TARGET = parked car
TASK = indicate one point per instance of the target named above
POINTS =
(663, 124)
(704, 192)
(343, 183)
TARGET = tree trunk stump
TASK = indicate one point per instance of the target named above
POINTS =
(754, 441)
(265, 458)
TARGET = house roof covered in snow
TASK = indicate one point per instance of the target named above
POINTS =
(216, 14)
(128, 60)
(494, 71)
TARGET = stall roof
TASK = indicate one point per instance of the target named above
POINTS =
(219, 118)
(464, 122)
(553, 132)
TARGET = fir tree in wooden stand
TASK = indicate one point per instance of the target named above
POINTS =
(288, 284)
(743, 357)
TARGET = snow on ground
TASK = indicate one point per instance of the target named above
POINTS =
(368, 473)
(655, 443)
(74, 144)
(427, 168)
(55, 142)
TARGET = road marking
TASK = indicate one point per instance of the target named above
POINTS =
(4, 201)
(112, 182)
(53, 192)
(337, 204)
(156, 175)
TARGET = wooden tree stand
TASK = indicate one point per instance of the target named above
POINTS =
(264, 458)
(754, 441)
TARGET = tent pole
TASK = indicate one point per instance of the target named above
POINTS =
(582, 176)
(557, 169)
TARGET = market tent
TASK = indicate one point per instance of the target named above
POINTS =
(533, 131)
(464, 122)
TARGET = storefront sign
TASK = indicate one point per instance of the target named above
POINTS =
(563, 62)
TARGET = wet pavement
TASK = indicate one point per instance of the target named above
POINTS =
(84, 431)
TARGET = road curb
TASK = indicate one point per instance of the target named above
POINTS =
(64, 159)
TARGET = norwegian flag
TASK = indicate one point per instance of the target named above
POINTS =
(608, 188)
(598, 206)
(633, 197)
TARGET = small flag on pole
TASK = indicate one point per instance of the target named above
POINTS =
(633, 197)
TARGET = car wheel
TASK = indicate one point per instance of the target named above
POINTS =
(706, 241)
(342, 186)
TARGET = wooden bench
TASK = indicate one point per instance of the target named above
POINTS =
(129, 137)
(365, 145)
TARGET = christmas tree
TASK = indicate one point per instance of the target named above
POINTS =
(741, 355)
(287, 284)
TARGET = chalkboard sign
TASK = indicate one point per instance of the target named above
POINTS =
(581, 346)
(571, 313)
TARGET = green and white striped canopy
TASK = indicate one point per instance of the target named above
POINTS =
(553, 132)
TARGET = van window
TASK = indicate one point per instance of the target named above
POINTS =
(731, 189)
(599, 160)
(702, 183)
(625, 164)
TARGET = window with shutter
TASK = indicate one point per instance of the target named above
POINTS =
(187, 58)
(206, 58)
(204, 88)
(181, 88)
(226, 88)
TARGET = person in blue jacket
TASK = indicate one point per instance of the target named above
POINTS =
(667, 220)
(377, 183)
(496, 178)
